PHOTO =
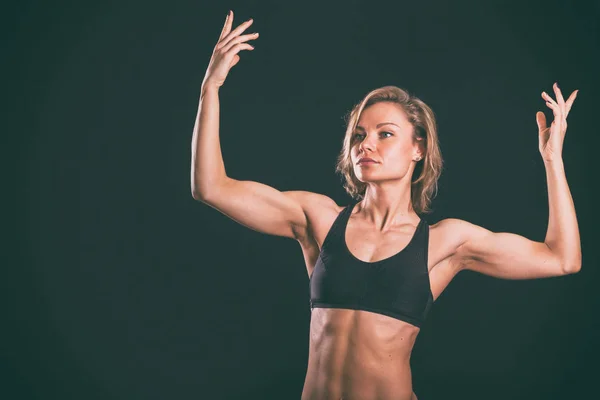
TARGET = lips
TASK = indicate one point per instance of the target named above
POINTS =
(366, 160)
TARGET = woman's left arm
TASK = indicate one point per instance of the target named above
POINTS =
(511, 256)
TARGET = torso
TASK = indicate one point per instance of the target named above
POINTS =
(355, 354)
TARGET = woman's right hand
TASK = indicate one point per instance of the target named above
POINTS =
(225, 55)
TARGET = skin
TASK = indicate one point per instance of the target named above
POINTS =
(356, 354)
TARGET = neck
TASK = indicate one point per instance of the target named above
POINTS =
(386, 207)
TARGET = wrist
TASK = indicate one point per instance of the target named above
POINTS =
(554, 163)
(208, 86)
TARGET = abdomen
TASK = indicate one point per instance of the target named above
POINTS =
(358, 355)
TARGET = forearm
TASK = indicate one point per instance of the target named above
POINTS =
(207, 161)
(562, 236)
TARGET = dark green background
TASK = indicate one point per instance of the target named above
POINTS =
(119, 285)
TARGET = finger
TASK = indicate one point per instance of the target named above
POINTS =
(236, 32)
(239, 39)
(555, 109)
(224, 30)
(229, 23)
(559, 97)
(570, 101)
(549, 99)
(540, 118)
(236, 59)
(553, 106)
(236, 49)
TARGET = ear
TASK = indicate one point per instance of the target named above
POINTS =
(420, 150)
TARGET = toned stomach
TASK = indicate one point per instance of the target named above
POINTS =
(358, 355)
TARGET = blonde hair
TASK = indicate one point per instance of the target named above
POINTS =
(421, 116)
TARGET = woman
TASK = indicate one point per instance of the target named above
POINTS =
(375, 266)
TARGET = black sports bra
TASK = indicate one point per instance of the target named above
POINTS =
(397, 286)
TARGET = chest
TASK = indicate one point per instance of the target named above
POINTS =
(369, 246)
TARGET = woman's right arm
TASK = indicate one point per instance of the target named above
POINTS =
(252, 204)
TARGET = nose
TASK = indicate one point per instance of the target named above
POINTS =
(366, 144)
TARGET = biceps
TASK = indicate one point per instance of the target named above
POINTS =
(261, 207)
(509, 256)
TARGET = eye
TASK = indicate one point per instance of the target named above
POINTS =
(357, 135)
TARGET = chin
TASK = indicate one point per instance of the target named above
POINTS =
(366, 178)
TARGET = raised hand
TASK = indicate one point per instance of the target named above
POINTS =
(551, 138)
(225, 55)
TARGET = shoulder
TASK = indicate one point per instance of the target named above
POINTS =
(458, 226)
(317, 208)
(454, 232)
(312, 202)
(455, 224)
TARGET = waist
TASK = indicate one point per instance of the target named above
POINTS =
(358, 379)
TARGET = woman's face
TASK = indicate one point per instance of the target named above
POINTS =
(383, 134)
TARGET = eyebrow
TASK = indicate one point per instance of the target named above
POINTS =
(378, 125)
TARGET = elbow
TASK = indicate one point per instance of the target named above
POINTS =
(205, 189)
(199, 191)
(572, 267)
(202, 194)
(198, 195)
(572, 270)
(195, 193)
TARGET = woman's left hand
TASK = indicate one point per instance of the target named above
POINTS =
(551, 139)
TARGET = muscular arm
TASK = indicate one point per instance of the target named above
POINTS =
(511, 256)
(253, 204)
